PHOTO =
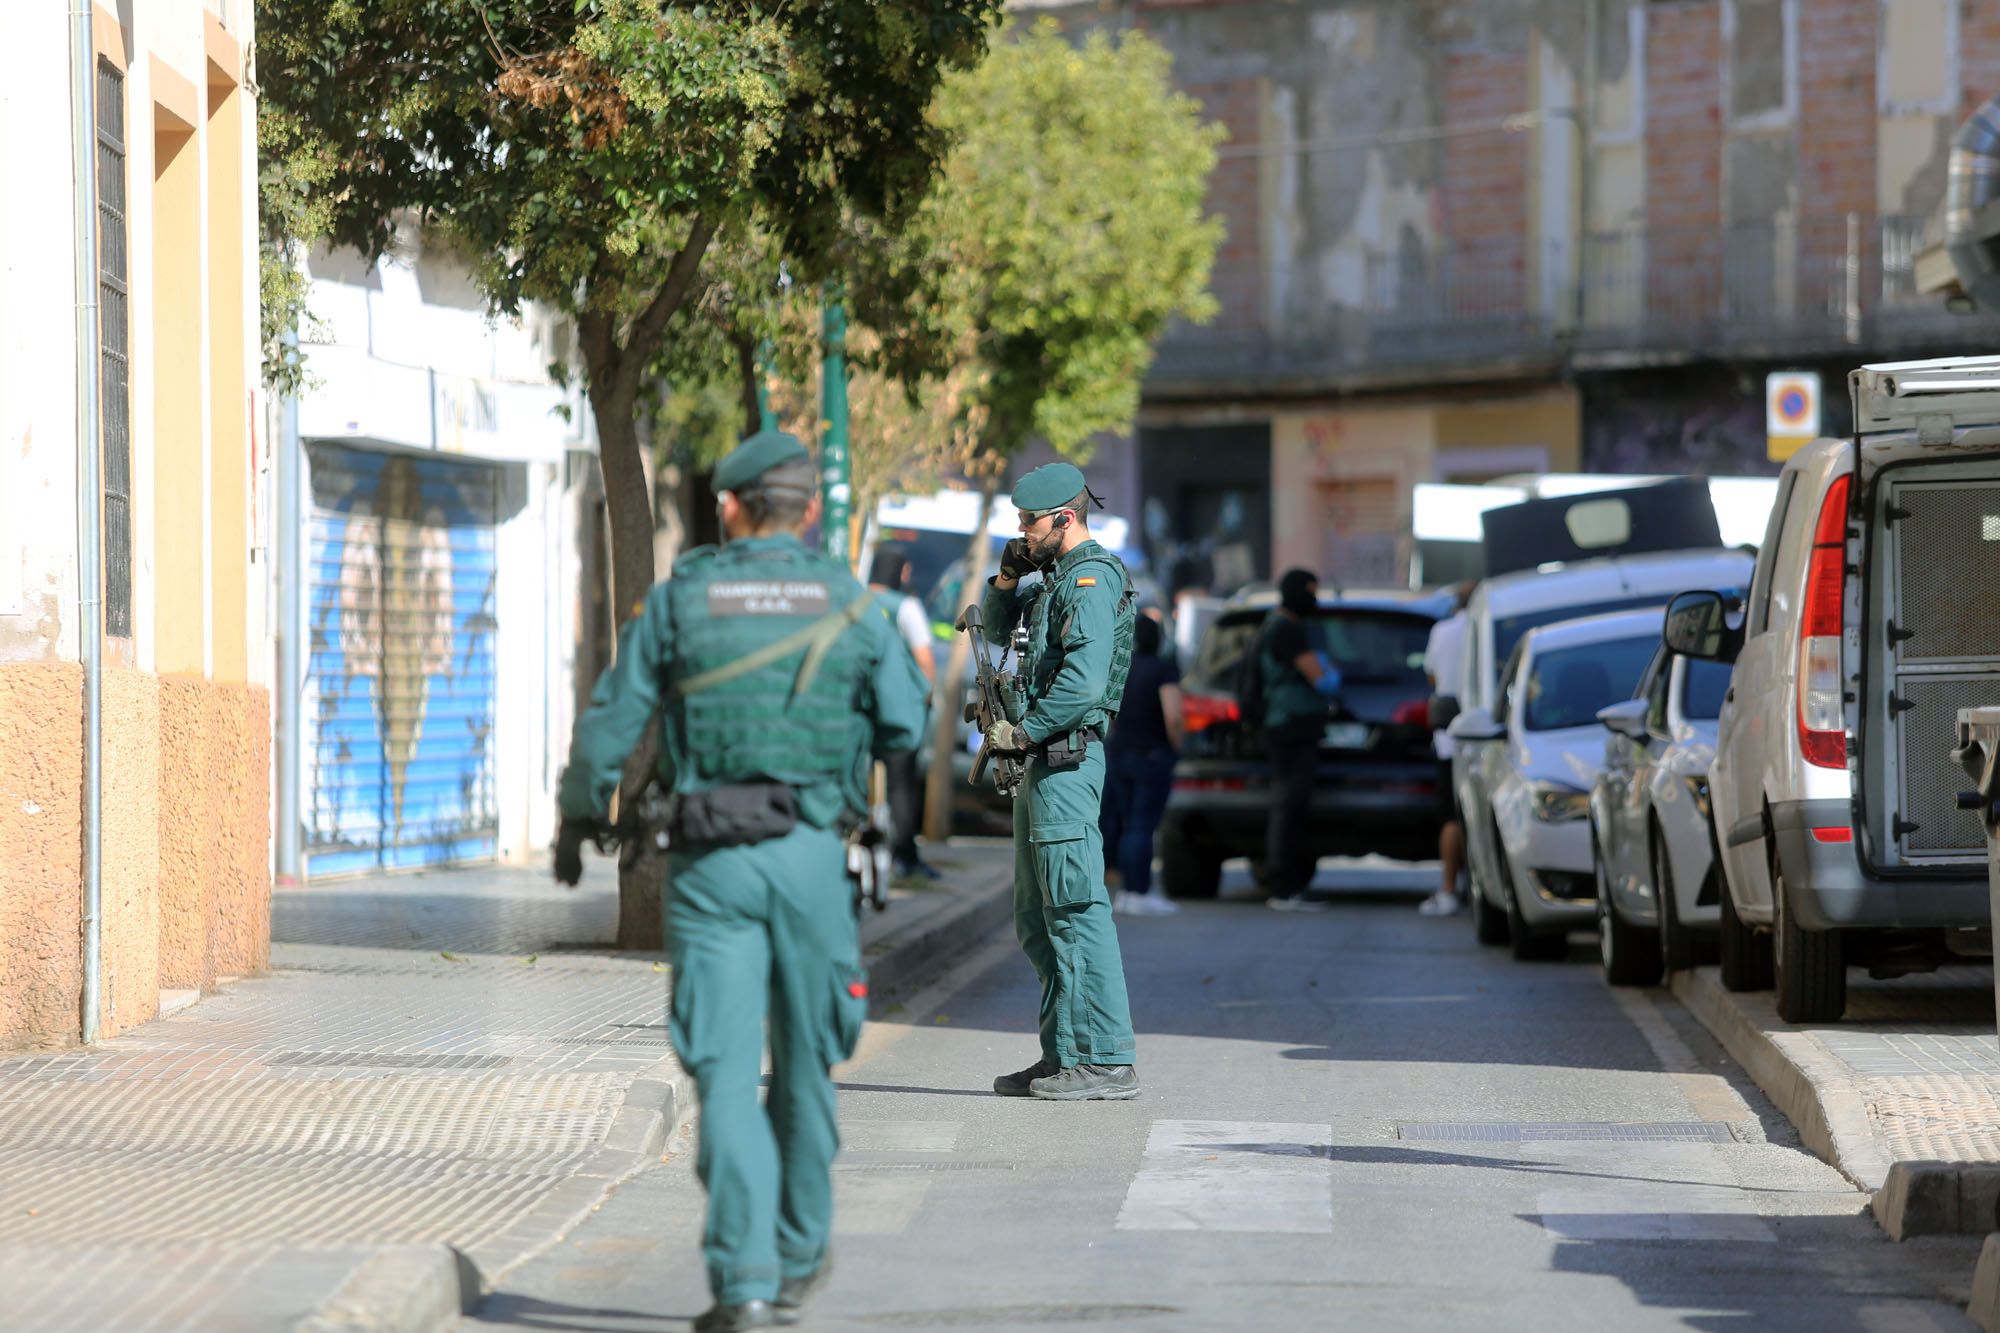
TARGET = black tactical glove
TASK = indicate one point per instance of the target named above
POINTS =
(570, 837)
(1015, 561)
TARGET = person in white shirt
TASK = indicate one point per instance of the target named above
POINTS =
(889, 576)
(1444, 662)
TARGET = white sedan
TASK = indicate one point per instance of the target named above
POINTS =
(1658, 900)
(1542, 773)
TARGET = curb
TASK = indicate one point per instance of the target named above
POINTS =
(1985, 1307)
(906, 960)
(407, 1289)
(1817, 1092)
(1940, 1199)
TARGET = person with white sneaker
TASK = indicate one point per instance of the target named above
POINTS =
(1139, 771)
(1444, 663)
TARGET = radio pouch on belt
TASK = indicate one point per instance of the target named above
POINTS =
(732, 816)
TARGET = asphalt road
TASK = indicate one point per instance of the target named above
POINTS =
(1353, 1120)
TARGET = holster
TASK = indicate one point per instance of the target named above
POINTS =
(1068, 750)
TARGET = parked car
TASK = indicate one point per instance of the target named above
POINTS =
(1541, 746)
(1652, 848)
(1503, 610)
(1375, 787)
(1873, 617)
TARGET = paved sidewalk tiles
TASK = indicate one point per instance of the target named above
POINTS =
(294, 1143)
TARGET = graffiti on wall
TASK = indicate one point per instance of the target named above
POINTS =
(399, 756)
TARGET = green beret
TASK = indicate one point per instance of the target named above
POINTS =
(1050, 486)
(756, 456)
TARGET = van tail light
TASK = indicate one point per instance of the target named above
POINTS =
(1202, 711)
(1414, 713)
(1822, 727)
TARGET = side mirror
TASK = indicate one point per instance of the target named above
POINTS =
(1476, 725)
(1627, 718)
(1697, 625)
(1443, 709)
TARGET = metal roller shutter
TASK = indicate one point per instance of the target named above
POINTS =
(400, 686)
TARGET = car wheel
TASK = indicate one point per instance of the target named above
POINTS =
(1681, 946)
(1528, 944)
(1809, 966)
(1186, 869)
(1631, 953)
(1489, 923)
(1746, 955)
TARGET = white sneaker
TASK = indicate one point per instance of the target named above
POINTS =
(1440, 904)
(1299, 904)
(1151, 904)
(1121, 902)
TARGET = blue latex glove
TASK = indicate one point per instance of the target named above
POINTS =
(1328, 683)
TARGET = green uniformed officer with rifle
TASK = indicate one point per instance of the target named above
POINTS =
(1079, 646)
(777, 687)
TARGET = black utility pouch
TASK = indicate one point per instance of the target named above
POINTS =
(1066, 750)
(735, 815)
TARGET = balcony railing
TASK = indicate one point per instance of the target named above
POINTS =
(1515, 306)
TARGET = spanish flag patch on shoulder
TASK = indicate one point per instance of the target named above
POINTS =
(1086, 582)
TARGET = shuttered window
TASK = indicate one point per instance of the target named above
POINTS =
(114, 334)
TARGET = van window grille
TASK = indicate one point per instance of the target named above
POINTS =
(1947, 570)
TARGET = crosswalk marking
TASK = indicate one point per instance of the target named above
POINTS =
(900, 1135)
(869, 1203)
(1232, 1175)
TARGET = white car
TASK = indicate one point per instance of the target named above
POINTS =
(1542, 747)
(1653, 851)
(1504, 609)
(1873, 617)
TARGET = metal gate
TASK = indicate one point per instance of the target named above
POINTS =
(400, 686)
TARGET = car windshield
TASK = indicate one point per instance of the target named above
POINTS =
(1702, 689)
(1366, 645)
(1507, 631)
(1569, 685)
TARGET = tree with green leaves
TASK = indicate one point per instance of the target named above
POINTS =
(584, 154)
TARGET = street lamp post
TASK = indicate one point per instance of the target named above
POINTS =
(835, 488)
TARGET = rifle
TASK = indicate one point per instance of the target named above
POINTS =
(997, 697)
(868, 861)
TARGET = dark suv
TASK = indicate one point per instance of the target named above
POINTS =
(1376, 787)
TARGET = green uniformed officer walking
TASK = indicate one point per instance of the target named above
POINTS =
(777, 687)
(1079, 630)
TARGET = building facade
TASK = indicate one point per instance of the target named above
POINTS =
(1472, 237)
(180, 517)
(446, 535)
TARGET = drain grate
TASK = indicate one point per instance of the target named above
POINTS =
(382, 1060)
(1017, 1314)
(924, 1166)
(1557, 1131)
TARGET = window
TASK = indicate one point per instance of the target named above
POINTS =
(1569, 685)
(1508, 631)
(1759, 611)
(114, 352)
(1761, 56)
(1659, 677)
(1503, 705)
(1702, 689)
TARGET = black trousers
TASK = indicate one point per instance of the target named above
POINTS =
(906, 805)
(1294, 750)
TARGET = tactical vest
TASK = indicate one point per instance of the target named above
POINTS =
(768, 656)
(1047, 618)
(1288, 696)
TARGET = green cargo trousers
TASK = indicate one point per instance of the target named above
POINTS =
(1062, 914)
(765, 928)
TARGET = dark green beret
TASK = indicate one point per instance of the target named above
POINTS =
(756, 456)
(1050, 486)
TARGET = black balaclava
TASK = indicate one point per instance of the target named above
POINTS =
(1296, 592)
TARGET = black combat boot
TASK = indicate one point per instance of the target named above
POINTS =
(729, 1318)
(1088, 1083)
(794, 1292)
(1016, 1084)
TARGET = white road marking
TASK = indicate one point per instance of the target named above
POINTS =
(1232, 1175)
(900, 1135)
(1662, 1214)
(1899, 1317)
(876, 1204)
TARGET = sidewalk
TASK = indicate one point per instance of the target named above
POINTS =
(450, 1059)
(1911, 1074)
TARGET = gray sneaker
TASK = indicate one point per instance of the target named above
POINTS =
(1016, 1084)
(1088, 1083)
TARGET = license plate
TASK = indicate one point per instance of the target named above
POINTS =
(1346, 736)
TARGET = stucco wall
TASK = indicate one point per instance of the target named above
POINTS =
(41, 856)
(186, 839)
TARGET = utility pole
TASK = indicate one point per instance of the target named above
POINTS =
(835, 490)
(766, 418)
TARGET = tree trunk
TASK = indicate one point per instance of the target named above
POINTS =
(950, 696)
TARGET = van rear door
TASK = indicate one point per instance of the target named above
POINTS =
(1921, 610)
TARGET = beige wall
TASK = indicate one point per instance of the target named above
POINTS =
(1341, 477)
